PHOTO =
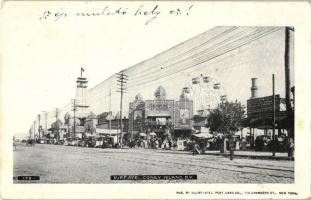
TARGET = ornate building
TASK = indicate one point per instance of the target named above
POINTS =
(165, 117)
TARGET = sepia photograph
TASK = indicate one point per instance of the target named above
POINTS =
(126, 96)
(218, 106)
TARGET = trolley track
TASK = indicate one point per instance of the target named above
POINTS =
(172, 161)
(209, 168)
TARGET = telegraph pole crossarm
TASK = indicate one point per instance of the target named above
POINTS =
(122, 78)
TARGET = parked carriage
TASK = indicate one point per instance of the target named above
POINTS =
(108, 142)
(30, 142)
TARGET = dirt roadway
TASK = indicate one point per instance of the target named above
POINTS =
(66, 164)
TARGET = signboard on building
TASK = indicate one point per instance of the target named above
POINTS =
(183, 114)
(80, 129)
(159, 108)
(262, 105)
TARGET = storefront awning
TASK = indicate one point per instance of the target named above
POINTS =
(204, 135)
(159, 115)
(266, 122)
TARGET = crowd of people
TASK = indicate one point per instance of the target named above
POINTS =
(200, 145)
(152, 143)
(279, 144)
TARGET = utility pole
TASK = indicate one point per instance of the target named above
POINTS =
(122, 79)
(39, 118)
(74, 116)
(56, 118)
(34, 129)
(46, 123)
(273, 121)
(132, 133)
(287, 78)
(30, 131)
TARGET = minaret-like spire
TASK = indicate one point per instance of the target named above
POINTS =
(81, 95)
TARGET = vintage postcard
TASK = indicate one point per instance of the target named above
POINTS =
(155, 100)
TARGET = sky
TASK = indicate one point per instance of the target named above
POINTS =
(42, 56)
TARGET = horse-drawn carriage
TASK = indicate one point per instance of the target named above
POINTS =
(30, 142)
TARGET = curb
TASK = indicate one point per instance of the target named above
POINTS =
(253, 156)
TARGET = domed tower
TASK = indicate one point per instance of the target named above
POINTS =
(138, 97)
(160, 93)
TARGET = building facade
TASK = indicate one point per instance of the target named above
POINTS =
(165, 117)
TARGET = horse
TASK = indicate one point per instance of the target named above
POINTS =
(30, 142)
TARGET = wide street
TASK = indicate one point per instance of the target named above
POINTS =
(67, 164)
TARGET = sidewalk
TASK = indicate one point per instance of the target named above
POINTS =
(252, 155)
(249, 154)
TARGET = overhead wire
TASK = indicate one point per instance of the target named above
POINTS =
(222, 34)
(240, 52)
(167, 66)
(148, 77)
(214, 56)
(206, 50)
(198, 54)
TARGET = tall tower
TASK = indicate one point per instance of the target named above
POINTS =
(254, 88)
(81, 95)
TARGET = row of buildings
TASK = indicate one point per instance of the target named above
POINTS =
(159, 115)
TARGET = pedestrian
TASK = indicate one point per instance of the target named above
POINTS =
(291, 149)
(169, 144)
(195, 148)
